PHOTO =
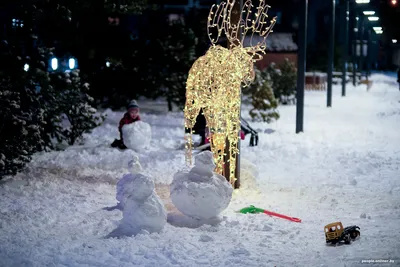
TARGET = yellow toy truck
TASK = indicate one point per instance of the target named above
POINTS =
(334, 233)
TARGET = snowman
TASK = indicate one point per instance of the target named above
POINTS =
(141, 207)
(200, 193)
(123, 185)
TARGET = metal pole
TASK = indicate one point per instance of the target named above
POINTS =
(345, 46)
(331, 55)
(354, 56)
(237, 169)
(361, 37)
(368, 54)
(301, 67)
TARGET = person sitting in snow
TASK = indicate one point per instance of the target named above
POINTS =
(131, 116)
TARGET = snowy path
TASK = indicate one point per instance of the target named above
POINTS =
(345, 165)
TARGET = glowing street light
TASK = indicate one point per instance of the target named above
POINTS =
(362, 1)
(54, 63)
(369, 13)
(108, 64)
(373, 18)
(72, 63)
(377, 28)
(379, 32)
(394, 41)
(393, 2)
(26, 67)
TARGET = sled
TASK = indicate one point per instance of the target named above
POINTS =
(246, 128)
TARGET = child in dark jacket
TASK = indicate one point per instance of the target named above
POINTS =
(131, 116)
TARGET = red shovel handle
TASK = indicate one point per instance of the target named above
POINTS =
(293, 219)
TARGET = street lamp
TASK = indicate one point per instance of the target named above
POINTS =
(54, 63)
(369, 13)
(373, 18)
(301, 63)
(72, 63)
(394, 41)
(63, 64)
(26, 67)
(331, 54)
(357, 34)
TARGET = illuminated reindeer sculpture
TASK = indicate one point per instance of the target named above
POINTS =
(215, 79)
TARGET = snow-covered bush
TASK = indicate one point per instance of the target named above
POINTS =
(284, 79)
(262, 98)
(38, 107)
(21, 116)
(67, 107)
(70, 107)
(21, 127)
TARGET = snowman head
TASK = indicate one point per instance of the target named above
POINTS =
(134, 165)
(142, 187)
(205, 160)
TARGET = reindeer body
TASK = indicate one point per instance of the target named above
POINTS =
(215, 79)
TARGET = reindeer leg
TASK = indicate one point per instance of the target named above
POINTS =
(190, 111)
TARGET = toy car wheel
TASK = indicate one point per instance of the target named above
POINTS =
(354, 234)
(347, 239)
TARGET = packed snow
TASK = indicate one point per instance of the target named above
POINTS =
(201, 193)
(137, 135)
(344, 167)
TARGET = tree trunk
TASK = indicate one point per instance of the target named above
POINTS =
(169, 104)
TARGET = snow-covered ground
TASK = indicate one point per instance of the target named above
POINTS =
(344, 167)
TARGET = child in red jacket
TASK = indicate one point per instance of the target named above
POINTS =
(131, 116)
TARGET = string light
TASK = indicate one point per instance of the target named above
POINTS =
(215, 79)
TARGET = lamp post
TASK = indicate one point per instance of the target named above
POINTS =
(345, 46)
(354, 46)
(361, 40)
(301, 67)
(331, 55)
(358, 33)
(369, 46)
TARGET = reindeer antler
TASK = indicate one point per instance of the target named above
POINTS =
(259, 26)
(232, 30)
(256, 22)
(216, 19)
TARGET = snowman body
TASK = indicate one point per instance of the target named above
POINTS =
(201, 193)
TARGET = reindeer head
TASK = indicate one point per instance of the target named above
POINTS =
(252, 26)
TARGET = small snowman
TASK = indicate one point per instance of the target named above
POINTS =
(142, 209)
(201, 193)
(123, 188)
